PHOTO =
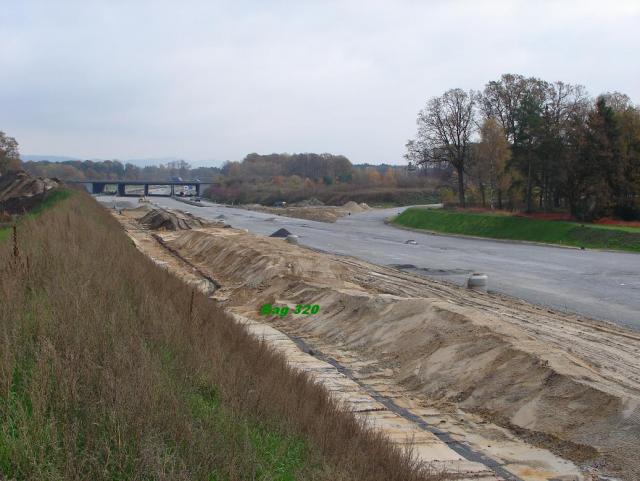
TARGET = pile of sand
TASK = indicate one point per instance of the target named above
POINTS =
(352, 206)
(312, 209)
(21, 192)
(567, 384)
(161, 219)
(309, 203)
(318, 213)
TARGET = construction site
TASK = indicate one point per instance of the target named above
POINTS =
(475, 384)
(320, 241)
(479, 384)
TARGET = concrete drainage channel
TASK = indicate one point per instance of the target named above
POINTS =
(460, 448)
(430, 445)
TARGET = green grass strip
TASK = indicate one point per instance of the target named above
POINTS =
(498, 226)
(50, 200)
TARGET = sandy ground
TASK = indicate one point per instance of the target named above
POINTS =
(597, 284)
(496, 376)
(321, 213)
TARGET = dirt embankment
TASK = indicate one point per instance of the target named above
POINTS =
(21, 192)
(568, 383)
(321, 213)
(164, 219)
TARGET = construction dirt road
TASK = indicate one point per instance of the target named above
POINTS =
(482, 386)
(598, 284)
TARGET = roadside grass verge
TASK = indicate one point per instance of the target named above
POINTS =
(520, 228)
(112, 369)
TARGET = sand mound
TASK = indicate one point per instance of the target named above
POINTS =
(567, 384)
(20, 192)
(317, 213)
(161, 219)
(352, 206)
(312, 209)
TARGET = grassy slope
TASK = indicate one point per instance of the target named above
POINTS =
(111, 368)
(52, 199)
(519, 228)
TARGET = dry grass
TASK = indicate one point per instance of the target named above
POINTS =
(111, 368)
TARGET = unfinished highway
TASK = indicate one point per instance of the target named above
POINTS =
(598, 284)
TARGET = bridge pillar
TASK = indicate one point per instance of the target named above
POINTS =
(198, 190)
(172, 190)
(97, 187)
(121, 190)
(146, 190)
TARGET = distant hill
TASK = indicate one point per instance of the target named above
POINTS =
(51, 158)
(165, 160)
(151, 161)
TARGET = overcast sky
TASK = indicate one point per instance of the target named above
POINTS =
(219, 79)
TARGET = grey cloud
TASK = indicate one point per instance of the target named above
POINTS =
(218, 79)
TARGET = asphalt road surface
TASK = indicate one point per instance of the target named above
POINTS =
(598, 284)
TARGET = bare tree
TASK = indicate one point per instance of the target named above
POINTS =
(503, 100)
(445, 127)
(564, 102)
(518, 103)
(619, 102)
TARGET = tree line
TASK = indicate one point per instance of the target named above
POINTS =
(293, 177)
(280, 169)
(116, 170)
(328, 168)
(257, 178)
(523, 142)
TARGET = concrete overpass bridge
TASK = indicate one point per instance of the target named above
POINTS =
(98, 186)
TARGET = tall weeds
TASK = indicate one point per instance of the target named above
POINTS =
(111, 368)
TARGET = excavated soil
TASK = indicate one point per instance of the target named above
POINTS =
(164, 219)
(21, 192)
(321, 213)
(564, 382)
